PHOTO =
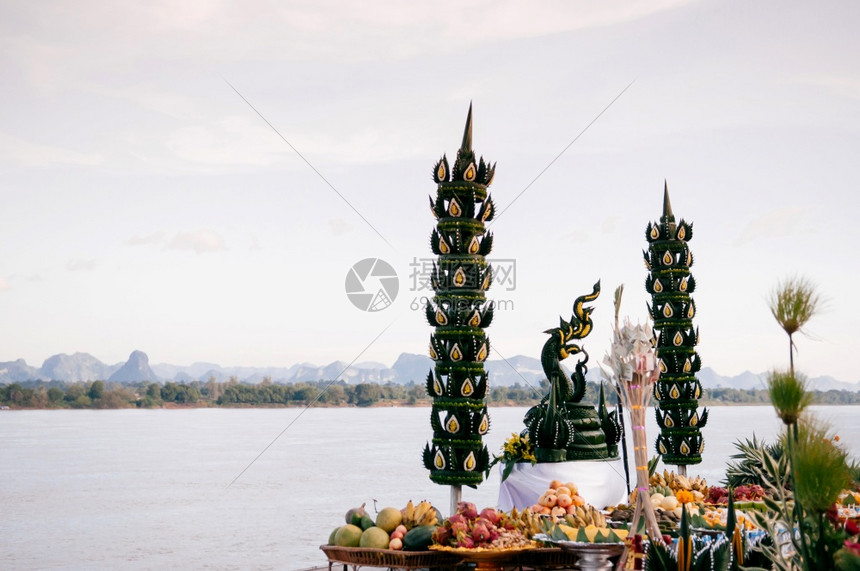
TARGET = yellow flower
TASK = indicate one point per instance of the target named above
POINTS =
(684, 497)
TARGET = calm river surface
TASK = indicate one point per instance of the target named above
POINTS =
(150, 489)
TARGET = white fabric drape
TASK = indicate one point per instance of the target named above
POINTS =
(600, 482)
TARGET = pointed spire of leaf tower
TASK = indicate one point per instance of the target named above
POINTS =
(466, 145)
(677, 391)
(668, 217)
(459, 312)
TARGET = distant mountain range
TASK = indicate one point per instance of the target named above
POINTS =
(408, 367)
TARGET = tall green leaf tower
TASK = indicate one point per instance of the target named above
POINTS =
(459, 312)
(677, 391)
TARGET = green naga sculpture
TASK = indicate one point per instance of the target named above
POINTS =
(459, 312)
(677, 391)
(560, 426)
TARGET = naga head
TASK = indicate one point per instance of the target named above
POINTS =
(560, 336)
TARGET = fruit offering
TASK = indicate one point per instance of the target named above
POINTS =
(559, 500)
(409, 529)
(422, 514)
(669, 484)
(489, 529)
(716, 518)
(527, 522)
(720, 496)
(622, 513)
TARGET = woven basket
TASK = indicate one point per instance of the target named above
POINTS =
(389, 557)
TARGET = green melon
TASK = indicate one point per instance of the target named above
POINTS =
(331, 536)
(389, 518)
(347, 536)
(374, 537)
(366, 522)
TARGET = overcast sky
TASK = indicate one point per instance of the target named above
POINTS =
(148, 205)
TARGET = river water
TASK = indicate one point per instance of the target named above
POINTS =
(245, 488)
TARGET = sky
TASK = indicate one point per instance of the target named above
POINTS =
(195, 179)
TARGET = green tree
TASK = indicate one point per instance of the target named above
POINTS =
(367, 394)
(335, 395)
(97, 390)
(55, 394)
(15, 394)
(793, 303)
(74, 391)
(305, 393)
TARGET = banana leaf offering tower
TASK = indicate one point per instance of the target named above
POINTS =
(677, 391)
(459, 312)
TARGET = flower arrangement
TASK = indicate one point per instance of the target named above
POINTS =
(517, 448)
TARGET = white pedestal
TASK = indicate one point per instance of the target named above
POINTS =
(601, 482)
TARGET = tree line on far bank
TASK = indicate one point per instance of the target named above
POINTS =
(232, 393)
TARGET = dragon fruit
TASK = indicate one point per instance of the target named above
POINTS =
(467, 529)
(466, 542)
(480, 533)
(467, 510)
(491, 515)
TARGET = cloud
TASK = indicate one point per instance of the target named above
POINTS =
(199, 241)
(839, 85)
(4, 285)
(24, 153)
(773, 224)
(172, 105)
(576, 237)
(610, 223)
(81, 265)
(339, 226)
(154, 238)
(229, 141)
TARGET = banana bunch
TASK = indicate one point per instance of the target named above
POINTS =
(677, 482)
(585, 515)
(422, 514)
(660, 480)
(526, 522)
(698, 484)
